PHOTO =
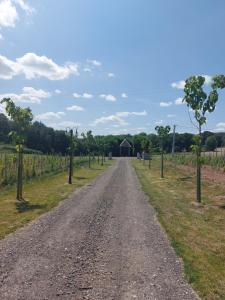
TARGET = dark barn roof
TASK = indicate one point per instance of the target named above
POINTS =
(125, 143)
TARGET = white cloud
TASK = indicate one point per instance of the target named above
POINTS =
(76, 95)
(58, 91)
(111, 75)
(109, 97)
(87, 70)
(1, 37)
(165, 104)
(28, 95)
(118, 118)
(8, 14)
(179, 101)
(50, 115)
(208, 79)
(94, 62)
(134, 113)
(26, 7)
(171, 116)
(178, 85)
(2, 109)
(87, 96)
(8, 68)
(160, 122)
(124, 95)
(111, 118)
(64, 125)
(34, 66)
(83, 96)
(220, 126)
(75, 108)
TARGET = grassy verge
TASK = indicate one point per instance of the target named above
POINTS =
(196, 233)
(42, 195)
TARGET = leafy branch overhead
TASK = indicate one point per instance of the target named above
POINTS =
(22, 118)
(162, 131)
(198, 100)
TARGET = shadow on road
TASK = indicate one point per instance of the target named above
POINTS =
(24, 206)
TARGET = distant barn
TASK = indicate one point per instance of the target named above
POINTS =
(125, 148)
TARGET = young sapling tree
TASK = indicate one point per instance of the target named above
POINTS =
(22, 118)
(72, 147)
(162, 133)
(98, 146)
(144, 147)
(201, 103)
(90, 143)
(150, 153)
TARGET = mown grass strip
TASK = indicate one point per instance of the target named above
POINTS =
(196, 233)
(42, 195)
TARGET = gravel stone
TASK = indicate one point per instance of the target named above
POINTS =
(102, 243)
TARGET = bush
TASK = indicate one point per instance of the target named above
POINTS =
(211, 143)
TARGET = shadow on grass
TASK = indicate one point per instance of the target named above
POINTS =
(24, 206)
(217, 206)
(184, 178)
(222, 206)
(80, 178)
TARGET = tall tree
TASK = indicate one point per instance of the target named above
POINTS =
(22, 118)
(89, 143)
(73, 145)
(201, 103)
(211, 143)
(162, 133)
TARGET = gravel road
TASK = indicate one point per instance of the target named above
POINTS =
(104, 242)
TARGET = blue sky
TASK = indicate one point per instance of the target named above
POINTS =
(110, 66)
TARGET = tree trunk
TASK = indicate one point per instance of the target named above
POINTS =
(89, 160)
(19, 192)
(198, 177)
(70, 169)
(21, 175)
(162, 165)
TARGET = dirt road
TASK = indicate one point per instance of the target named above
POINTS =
(102, 243)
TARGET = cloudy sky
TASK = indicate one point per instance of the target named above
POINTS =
(110, 66)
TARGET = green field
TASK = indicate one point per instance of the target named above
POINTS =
(41, 194)
(34, 165)
(195, 232)
(215, 161)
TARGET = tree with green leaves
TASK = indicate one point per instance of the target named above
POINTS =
(211, 143)
(201, 103)
(150, 153)
(162, 133)
(144, 147)
(90, 144)
(22, 118)
(72, 147)
(98, 146)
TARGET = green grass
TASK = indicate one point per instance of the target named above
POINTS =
(216, 162)
(197, 233)
(42, 195)
(9, 148)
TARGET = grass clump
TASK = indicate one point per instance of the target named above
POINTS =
(196, 232)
